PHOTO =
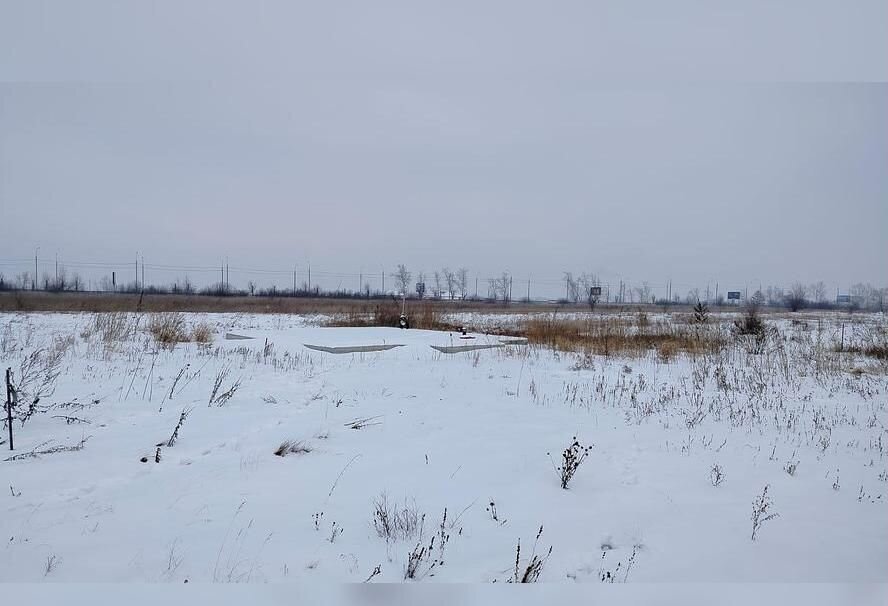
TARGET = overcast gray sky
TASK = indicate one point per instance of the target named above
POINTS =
(684, 140)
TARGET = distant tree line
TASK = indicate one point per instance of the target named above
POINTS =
(579, 289)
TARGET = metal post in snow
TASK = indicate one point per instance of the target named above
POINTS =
(9, 396)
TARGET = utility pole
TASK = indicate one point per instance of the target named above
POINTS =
(137, 270)
(294, 280)
(143, 272)
(222, 278)
(309, 277)
(34, 281)
(476, 287)
(383, 282)
(528, 289)
(57, 269)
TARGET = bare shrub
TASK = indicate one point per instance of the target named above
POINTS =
(289, 447)
(51, 564)
(37, 375)
(39, 450)
(423, 559)
(335, 531)
(175, 435)
(611, 576)
(761, 511)
(220, 398)
(393, 522)
(571, 459)
(791, 466)
(375, 572)
(716, 475)
(530, 572)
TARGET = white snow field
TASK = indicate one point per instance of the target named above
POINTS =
(412, 432)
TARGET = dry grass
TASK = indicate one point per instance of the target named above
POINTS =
(202, 333)
(120, 302)
(111, 327)
(622, 336)
(426, 316)
(878, 352)
(168, 329)
(394, 522)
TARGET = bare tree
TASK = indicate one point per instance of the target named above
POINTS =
(644, 292)
(106, 284)
(501, 287)
(590, 286)
(568, 285)
(450, 279)
(462, 279)
(818, 292)
(402, 279)
(796, 299)
(867, 296)
(437, 292)
(23, 280)
(420, 284)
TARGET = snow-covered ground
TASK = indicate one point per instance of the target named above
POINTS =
(477, 434)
